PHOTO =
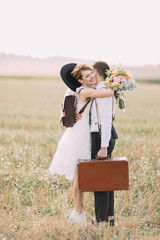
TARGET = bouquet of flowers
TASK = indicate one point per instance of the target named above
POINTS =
(120, 80)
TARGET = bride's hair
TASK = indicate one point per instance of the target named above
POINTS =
(77, 71)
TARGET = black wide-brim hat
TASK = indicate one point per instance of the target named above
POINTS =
(68, 79)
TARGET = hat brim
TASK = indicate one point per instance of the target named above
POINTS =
(68, 79)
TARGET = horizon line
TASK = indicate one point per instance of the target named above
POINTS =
(76, 58)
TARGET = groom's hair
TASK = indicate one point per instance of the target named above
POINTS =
(101, 68)
(77, 71)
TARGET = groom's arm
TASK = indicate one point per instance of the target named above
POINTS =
(105, 120)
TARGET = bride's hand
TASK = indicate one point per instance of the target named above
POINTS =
(111, 89)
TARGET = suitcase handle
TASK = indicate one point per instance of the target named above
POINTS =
(103, 158)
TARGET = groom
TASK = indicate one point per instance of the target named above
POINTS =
(103, 136)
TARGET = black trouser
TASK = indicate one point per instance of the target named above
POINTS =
(104, 201)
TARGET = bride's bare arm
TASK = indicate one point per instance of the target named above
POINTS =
(96, 93)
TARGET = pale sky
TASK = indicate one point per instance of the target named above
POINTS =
(116, 31)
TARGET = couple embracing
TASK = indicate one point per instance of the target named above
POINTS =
(92, 135)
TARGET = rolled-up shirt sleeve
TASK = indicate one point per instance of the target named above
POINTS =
(105, 119)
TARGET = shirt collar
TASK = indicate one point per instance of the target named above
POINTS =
(100, 84)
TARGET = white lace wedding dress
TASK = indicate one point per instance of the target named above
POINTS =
(74, 145)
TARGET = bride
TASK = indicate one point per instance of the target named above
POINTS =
(75, 142)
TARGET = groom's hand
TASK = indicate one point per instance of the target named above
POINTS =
(78, 117)
(102, 153)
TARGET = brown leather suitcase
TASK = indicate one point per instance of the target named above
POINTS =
(103, 175)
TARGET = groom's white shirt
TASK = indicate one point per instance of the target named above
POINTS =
(105, 109)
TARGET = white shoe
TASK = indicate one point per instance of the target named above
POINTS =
(78, 217)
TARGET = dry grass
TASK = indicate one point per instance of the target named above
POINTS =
(35, 205)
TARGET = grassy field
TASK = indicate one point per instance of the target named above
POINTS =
(149, 81)
(35, 205)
